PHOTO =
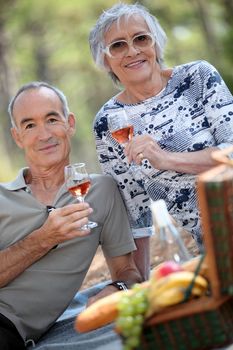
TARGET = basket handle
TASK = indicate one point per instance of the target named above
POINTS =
(221, 156)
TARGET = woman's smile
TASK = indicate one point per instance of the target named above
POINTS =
(135, 64)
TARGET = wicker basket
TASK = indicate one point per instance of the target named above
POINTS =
(196, 325)
(207, 322)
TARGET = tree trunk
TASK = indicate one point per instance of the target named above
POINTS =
(41, 53)
(228, 5)
(208, 29)
(6, 88)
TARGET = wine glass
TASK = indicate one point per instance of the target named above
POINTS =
(121, 130)
(78, 183)
(120, 127)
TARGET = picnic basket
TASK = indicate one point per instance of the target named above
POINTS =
(207, 322)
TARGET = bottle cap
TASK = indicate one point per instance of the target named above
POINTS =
(160, 213)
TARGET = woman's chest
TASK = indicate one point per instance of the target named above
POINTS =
(174, 123)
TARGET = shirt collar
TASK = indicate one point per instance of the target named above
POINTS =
(18, 183)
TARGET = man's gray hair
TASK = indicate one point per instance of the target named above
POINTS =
(114, 14)
(36, 85)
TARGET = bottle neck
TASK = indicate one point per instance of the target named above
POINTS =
(161, 215)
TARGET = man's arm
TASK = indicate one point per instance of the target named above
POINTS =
(122, 268)
(61, 225)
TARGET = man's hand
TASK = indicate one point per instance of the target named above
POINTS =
(61, 225)
(64, 224)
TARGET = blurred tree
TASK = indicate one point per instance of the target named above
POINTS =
(48, 40)
(6, 82)
(227, 57)
(208, 28)
(5, 78)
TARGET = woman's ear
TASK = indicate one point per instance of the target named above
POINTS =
(16, 137)
(107, 66)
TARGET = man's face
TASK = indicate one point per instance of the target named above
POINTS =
(41, 128)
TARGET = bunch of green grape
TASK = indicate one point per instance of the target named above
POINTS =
(131, 310)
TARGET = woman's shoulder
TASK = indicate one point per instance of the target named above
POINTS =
(110, 105)
(195, 66)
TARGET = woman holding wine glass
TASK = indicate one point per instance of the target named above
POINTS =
(179, 115)
(120, 127)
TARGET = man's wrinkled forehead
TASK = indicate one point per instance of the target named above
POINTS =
(34, 97)
(30, 103)
(27, 96)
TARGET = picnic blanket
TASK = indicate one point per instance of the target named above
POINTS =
(63, 336)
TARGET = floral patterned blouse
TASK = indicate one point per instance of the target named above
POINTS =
(193, 112)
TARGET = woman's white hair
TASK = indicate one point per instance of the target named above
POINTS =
(114, 14)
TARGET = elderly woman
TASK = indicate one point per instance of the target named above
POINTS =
(180, 116)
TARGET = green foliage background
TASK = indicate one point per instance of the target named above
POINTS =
(48, 40)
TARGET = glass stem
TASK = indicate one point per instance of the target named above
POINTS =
(80, 199)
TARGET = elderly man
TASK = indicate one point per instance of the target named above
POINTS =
(45, 254)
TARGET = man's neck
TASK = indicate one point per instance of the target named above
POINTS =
(44, 184)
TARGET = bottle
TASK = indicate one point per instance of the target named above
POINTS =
(171, 244)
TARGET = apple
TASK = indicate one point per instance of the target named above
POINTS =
(165, 268)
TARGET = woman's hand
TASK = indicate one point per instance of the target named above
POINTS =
(145, 147)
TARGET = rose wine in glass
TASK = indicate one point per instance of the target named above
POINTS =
(78, 183)
(121, 130)
(80, 189)
(123, 135)
(120, 127)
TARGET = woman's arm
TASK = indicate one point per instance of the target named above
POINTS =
(182, 162)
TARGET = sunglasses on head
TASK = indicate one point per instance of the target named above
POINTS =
(120, 48)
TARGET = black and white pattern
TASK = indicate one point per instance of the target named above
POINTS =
(193, 112)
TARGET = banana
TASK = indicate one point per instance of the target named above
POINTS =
(172, 289)
(180, 279)
(197, 291)
(171, 296)
(192, 264)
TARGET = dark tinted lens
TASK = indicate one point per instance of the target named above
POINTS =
(118, 48)
(143, 40)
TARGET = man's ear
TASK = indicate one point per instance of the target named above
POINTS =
(16, 137)
(71, 123)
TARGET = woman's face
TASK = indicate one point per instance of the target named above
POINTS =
(137, 66)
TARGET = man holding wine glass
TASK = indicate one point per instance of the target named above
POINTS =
(46, 246)
(78, 182)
